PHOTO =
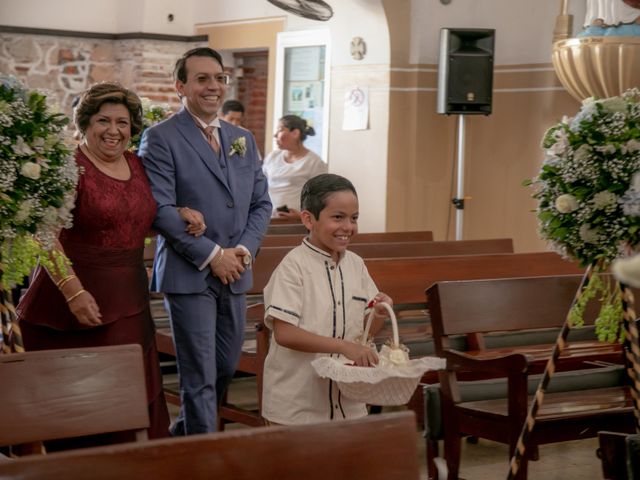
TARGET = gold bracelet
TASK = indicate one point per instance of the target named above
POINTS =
(76, 295)
(61, 283)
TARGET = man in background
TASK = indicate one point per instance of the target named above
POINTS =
(233, 112)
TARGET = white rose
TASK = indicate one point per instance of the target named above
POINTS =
(30, 170)
(566, 203)
(582, 153)
(24, 211)
(589, 235)
(632, 145)
(627, 270)
(614, 104)
(604, 199)
(608, 149)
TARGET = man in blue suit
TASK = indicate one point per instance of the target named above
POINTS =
(194, 160)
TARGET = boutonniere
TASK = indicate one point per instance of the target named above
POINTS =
(239, 146)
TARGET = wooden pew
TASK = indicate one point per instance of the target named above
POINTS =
(295, 240)
(379, 447)
(405, 280)
(270, 257)
(59, 394)
(578, 403)
(286, 229)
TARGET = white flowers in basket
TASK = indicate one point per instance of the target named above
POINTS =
(38, 177)
(391, 382)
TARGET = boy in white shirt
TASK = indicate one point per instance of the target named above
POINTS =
(316, 304)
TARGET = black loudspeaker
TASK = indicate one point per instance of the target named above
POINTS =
(465, 71)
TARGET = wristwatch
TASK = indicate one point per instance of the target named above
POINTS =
(247, 260)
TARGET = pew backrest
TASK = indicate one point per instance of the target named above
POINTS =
(270, 257)
(378, 447)
(54, 394)
(296, 239)
(405, 279)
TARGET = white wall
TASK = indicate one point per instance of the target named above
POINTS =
(524, 28)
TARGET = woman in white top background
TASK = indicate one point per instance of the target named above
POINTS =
(289, 166)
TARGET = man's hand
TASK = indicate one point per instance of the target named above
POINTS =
(227, 264)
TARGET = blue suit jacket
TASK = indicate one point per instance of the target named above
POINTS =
(183, 172)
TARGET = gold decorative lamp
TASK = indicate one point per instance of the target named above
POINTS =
(595, 66)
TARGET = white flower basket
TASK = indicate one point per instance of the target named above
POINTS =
(387, 383)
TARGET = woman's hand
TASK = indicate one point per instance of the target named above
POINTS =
(361, 355)
(194, 220)
(85, 309)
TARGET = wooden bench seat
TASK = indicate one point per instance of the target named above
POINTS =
(582, 398)
(380, 447)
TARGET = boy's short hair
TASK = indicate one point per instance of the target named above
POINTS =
(232, 106)
(315, 192)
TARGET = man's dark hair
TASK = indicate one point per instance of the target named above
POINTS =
(315, 192)
(232, 106)
(180, 70)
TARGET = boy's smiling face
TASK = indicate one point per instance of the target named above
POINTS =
(338, 222)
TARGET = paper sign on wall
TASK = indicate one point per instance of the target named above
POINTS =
(356, 109)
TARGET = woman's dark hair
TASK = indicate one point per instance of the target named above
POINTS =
(180, 70)
(294, 122)
(91, 100)
(315, 192)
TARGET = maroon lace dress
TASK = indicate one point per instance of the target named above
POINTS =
(105, 245)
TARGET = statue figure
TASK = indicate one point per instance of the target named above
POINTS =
(611, 18)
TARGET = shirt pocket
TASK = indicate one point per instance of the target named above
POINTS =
(356, 307)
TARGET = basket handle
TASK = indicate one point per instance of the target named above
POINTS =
(394, 324)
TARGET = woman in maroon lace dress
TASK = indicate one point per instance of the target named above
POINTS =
(103, 298)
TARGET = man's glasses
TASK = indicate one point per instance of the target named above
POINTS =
(221, 78)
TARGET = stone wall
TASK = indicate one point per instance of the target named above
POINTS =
(66, 65)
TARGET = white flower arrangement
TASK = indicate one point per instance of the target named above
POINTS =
(152, 113)
(239, 146)
(38, 177)
(588, 193)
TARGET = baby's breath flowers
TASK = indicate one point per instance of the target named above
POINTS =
(38, 177)
(589, 194)
(152, 113)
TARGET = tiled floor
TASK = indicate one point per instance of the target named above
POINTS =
(486, 460)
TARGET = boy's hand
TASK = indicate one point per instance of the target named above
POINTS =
(361, 355)
(380, 310)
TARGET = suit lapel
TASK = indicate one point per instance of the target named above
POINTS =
(193, 135)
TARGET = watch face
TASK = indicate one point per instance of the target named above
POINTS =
(246, 259)
(313, 9)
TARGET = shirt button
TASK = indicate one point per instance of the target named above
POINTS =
(230, 204)
(339, 303)
(332, 267)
